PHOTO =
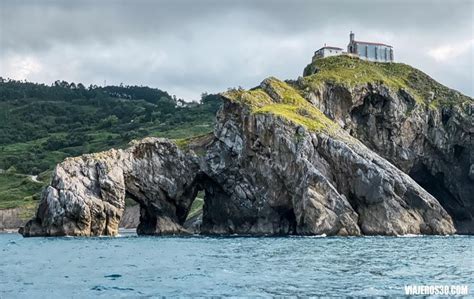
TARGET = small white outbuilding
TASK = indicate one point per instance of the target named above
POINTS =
(327, 51)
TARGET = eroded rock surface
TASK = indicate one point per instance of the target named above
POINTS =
(430, 137)
(271, 176)
(87, 194)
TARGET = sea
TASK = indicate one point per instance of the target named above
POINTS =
(131, 266)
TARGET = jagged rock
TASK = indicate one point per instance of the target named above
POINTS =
(87, 194)
(267, 176)
(429, 136)
(276, 164)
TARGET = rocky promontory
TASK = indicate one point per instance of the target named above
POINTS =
(378, 155)
(87, 194)
(422, 127)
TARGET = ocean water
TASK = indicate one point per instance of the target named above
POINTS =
(130, 266)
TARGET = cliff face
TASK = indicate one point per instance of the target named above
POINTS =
(320, 155)
(12, 219)
(274, 176)
(422, 127)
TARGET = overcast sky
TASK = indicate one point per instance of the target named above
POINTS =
(189, 47)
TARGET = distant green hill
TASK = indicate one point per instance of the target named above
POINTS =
(41, 125)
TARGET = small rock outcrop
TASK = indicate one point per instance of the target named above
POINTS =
(87, 194)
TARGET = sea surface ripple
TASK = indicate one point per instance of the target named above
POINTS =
(132, 266)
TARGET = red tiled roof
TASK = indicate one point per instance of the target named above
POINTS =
(370, 43)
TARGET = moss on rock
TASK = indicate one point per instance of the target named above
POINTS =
(285, 102)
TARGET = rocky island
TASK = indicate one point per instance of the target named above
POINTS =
(351, 148)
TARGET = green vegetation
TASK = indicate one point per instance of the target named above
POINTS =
(352, 72)
(41, 125)
(196, 207)
(130, 202)
(18, 190)
(289, 105)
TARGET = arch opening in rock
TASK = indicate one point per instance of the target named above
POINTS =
(87, 194)
(435, 185)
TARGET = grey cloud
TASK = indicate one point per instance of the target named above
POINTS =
(34, 23)
(187, 47)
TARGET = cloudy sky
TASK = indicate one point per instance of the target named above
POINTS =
(188, 47)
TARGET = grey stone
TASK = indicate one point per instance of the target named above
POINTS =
(87, 194)
(434, 145)
(310, 189)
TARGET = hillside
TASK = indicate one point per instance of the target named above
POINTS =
(351, 72)
(41, 125)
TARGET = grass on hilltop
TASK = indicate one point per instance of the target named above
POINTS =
(289, 105)
(352, 72)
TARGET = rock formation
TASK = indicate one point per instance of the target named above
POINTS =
(271, 175)
(87, 194)
(321, 155)
(422, 127)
